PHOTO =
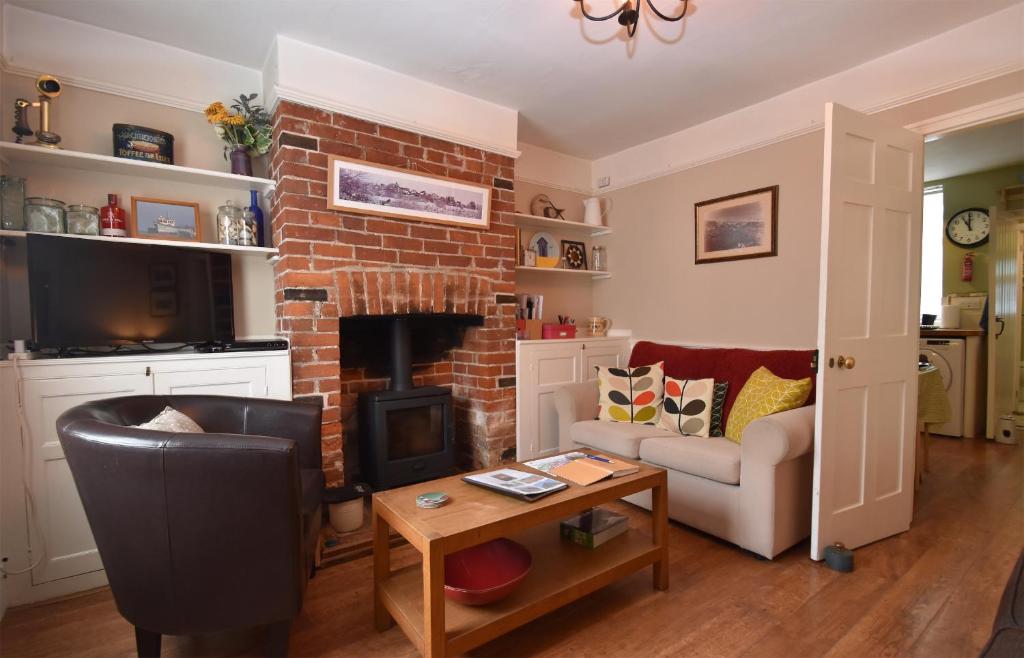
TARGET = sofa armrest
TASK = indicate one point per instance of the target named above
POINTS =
(779, 437)
(573, 403)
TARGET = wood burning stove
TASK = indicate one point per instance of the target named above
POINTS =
(406, 433)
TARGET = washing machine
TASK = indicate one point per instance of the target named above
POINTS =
(948, 355)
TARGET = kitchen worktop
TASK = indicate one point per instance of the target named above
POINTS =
(951, 333)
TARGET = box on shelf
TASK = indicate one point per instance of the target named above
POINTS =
(529, 329)
(593, 527)
(553, 330)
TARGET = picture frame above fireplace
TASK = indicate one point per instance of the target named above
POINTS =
(369, 189)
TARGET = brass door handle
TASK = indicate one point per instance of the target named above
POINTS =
(847, 362)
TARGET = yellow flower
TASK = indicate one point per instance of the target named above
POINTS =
(214, 111)
(234, 120)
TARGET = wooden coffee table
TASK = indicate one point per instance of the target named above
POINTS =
(562, 572)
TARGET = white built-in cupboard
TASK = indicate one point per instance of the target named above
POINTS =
(544, 366)
(60, 533)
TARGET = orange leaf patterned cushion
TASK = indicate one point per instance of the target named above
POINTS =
(631, 395)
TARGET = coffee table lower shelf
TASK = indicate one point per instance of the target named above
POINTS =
(562, 572)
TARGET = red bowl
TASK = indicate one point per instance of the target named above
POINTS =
(487, 572)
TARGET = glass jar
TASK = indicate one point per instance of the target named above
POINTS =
(229, 223)
(44, 215)
(599, 259)
(12, 203)
(83, 220)
(247, 235)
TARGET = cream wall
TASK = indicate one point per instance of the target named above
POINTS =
(977, 190)
(564, 294)
(659, 293)
(84, 118)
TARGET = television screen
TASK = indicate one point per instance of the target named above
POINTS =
(90, 293)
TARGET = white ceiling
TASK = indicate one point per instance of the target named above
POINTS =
(979, 149)
(579, 86)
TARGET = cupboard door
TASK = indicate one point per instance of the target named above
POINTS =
(546, 369)
(247, 382)
(67, 542)
(611, 354)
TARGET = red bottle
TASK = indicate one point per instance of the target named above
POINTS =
(112, 219)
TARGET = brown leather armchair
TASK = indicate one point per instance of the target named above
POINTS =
(201, 532)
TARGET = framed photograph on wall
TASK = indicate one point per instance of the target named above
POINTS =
(160, 219)
(357, 186)
(737, 226)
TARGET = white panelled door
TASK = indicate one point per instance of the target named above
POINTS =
(866, 414)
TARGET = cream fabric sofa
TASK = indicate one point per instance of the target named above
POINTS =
(756, 495)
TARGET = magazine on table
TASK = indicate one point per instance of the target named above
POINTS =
(520, 484)
(583, 468)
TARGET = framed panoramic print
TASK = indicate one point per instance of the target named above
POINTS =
(743, 225)
(160, 219)
(357, 186)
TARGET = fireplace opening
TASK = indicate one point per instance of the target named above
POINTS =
(406, 432)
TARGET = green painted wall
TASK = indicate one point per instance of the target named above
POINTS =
(979, 190)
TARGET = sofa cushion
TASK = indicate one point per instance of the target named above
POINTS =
(630, 395)
(621, 439)
(714, 459)
(765, 394)
(687, 407)
(731, 365)
(718, 409)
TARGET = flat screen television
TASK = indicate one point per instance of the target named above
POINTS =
(93, 293)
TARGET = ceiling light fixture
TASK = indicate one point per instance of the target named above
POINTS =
(629, 16)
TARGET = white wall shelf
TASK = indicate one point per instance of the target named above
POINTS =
(543, 223)
(204, 246)
(557, 270)
(14, 154)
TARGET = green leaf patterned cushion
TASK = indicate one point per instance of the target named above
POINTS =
(687, 406)
(718, 408)
(631, 395)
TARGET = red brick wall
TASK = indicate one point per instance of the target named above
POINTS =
(338, 264)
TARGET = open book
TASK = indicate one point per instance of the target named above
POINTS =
(583, 468)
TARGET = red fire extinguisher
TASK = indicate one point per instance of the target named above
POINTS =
(967, 267)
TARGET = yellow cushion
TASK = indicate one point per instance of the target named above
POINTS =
(764, 394)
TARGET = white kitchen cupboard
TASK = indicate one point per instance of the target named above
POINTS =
(542, 367)
(60, 534)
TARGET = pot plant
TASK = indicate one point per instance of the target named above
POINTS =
(245, 129)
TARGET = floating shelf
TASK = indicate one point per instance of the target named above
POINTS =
(202, 246)
(557, 270)
(36, 155)
(544, 223)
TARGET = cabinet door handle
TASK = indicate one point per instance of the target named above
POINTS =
(147, 371)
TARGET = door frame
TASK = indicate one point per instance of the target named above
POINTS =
(1006, 108)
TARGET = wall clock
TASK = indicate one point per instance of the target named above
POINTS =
(969, 227)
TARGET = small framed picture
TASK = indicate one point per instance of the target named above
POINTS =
(738, 226)
(160, 219)
(574, 255)
(529, 258)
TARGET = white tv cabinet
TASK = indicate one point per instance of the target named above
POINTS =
(49, 387)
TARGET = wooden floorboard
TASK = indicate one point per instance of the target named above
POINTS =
(930, 592)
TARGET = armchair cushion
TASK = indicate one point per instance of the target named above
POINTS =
(621, 439)
(171, 420)
(714, 459)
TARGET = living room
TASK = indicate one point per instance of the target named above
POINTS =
(345, 262)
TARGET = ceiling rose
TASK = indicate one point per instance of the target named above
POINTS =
(629, 16)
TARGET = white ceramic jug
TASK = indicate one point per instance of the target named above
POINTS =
(595, 210)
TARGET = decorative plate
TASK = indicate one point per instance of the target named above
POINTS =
(544, 244)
